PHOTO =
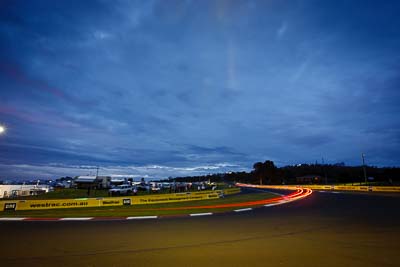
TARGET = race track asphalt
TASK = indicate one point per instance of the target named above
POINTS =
(325, 229)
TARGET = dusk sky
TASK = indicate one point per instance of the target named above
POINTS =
(170, 88)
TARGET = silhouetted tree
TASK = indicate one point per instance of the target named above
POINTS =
(266, 171)
(259, 171)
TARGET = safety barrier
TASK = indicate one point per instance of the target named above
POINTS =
(231, 191)
(355, 188)
(226, 191)
(336, 187)
(112, 201)
(386, 188)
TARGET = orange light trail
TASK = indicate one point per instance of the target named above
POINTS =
(299, 194)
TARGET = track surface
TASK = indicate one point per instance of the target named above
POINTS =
(325, 229)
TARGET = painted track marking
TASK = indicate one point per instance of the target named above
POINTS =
(141, 217)
(12, 219)
(76, 219)
(270, 205)
(200, 214)
(240, 210)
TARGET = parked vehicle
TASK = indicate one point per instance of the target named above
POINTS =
(166, 185)
(121, 190)
(155, 189)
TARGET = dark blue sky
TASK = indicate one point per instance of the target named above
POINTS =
(169, 88)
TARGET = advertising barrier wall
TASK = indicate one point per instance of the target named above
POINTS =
(231, 191)
(112, 201)
(336, 187)
(227, 191)
(355, 188)
(386, 188)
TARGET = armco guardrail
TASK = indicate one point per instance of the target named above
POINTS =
(354, 188)
(337, 187)
(11, 204)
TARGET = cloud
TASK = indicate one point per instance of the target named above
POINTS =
(102, 35)
(189, 84)
(232, 82)
(36, 118)
(135, 12)
(53, 171)
(29, 84)
(282, 30)
(300, 71)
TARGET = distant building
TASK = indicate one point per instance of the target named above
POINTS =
(86, 181)
(339, 164)
(118, 181)
(105, 181)
(309, 179)
(17, 190)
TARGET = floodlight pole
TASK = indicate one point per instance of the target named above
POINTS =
(365, 171)
(323, 167)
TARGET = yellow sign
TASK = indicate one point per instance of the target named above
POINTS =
(109, 201)
(230, 191)
(386, 188)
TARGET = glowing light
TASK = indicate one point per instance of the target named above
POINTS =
(2, 129)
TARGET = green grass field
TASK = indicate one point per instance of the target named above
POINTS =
(71, 193)
(140, 210)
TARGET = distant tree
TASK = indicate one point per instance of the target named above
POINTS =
(270, 172)
(266, 171)
(259, 171)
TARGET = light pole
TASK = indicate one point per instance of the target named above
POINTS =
(2, 129)
(324, 170)
(365, 171)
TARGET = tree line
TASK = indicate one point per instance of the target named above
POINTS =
(268, 173)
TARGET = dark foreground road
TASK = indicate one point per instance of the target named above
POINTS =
(325, 229)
